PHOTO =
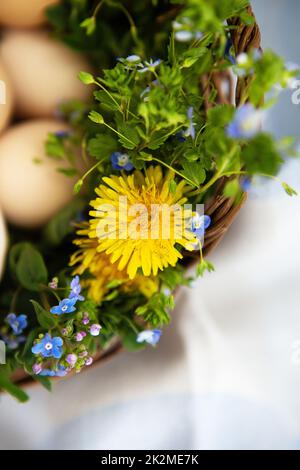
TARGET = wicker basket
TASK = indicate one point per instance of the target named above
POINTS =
(222, 210)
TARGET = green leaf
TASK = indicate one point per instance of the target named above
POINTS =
(128, 338)
(60, 225)
(155, 311)
(28, 265)
(261, 155)
(69, 172)
(204, 266)
(220, 116)
(54, 147)
(289, 190)
(157, 139)
(194, 172)
(232, 188)
(44, 381)
(173, 277)
(86, 78)
(89, 24)
(131, 137)
(8, 386)
(102, 146)
(113, 284)
(45, 318)
(191, 56)
(108, 100)
(28, 344)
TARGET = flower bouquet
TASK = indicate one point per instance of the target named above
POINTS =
(167, 143)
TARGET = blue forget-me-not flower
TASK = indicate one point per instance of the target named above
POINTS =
(48, 346)
(149, 336)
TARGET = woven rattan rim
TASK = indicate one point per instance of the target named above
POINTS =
(222, 210)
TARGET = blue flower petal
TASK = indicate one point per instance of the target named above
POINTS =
(57, 341)
(37, 348)
(56, 310)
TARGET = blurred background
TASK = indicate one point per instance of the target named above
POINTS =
(226, 374)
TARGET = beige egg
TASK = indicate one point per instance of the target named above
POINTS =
(31, 188)
(44, 72)
(6, 97)
(3, 244)
(24, 13)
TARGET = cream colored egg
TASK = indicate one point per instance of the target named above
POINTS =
(31, 188)
(44, 72)
(6, 97)
(24, 13)
(3, 244)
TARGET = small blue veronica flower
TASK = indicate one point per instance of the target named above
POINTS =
(183, 36)
(132, 58)
(131, 62)
(190, 131)
(149, 65)
(64, 306)
(149, 336)
(62, 134)
(199, 224)
(49, 347)
(227, 53)
(17, 324)
(13, 342)
(75, 289)
(60, 372)
(147, 90)
(245, 183)
(246, 123)
(121, 161)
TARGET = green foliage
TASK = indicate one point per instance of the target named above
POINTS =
(28, 266)
(156, 310)
(173, 277)
(102, 146)
(194, 172)
(232, 188)
(8, 386)
(44, 317)
(261, 155)
(289, 190)
(204, 266)
(61, 224)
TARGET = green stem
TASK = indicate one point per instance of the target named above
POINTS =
(52, 291)
(119, 133)
(109, 94)
(98, 7)
(173, 169)
(14, 299)
(91, 170)
(83, 150)
(133, 28)
(215, 178)
(132, 325)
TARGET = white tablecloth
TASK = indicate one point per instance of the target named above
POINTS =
(227, 371)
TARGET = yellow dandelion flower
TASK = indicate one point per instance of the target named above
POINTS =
(137, 221)
(102, 271)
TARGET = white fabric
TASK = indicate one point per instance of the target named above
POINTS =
(226, 373)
